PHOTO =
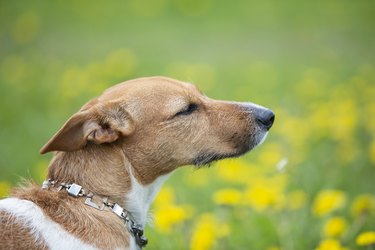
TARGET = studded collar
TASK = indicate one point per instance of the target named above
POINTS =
(76, 190)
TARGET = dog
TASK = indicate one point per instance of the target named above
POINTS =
(112, 157)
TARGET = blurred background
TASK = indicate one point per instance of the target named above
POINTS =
(309, 186)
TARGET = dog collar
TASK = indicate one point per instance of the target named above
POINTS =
(76, 190)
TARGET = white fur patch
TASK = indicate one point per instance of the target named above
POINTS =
(133, 245)
(140, 197)
(29, 214)
(263, 138)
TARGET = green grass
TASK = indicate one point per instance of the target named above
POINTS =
(311, 62)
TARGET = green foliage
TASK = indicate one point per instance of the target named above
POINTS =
(311, 62)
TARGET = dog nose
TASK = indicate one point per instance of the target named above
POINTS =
(265, 118)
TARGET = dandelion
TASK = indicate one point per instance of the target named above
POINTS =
(335, 227)
(238, 171)
(207, 231)
(327, 201)
(366, 238)
(164, 197)
(363, 204)
(330, 244)
(167, 213)
(266, 193)
(228, 196)
(171, 215)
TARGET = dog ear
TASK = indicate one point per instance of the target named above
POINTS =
(99, 124)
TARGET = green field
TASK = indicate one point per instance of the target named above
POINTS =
(311, 185)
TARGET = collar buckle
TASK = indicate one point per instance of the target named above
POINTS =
(138, 234)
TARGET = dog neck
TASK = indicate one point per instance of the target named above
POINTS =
(140, 197)
(106, 171)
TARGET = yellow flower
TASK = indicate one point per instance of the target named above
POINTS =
(296, 199)
(366, 238)
(237, 171)
(335, 227)
(227, 197)
(207, 231)
(168, 216)
(330, 244)
(266, 193)
(363, 204)
(164, 197)
(327, 201)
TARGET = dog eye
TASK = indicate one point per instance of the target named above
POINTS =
(189, 109)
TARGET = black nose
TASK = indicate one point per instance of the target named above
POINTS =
(265, 118)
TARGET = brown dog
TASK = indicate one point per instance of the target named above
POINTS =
(113, 155)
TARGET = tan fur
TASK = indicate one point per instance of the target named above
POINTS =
(132, 128)
(68, 211)
(15, 235)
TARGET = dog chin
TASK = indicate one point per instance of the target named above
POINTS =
(209, 157)
(261, 138)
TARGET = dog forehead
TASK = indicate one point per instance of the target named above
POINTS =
(148, 88)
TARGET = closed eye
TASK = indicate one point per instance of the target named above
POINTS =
(188, 110)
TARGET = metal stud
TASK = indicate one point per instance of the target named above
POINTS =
(117, 209)
(74, 190)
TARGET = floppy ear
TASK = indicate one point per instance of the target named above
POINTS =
(99, 124)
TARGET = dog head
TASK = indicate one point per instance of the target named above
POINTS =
(161, 124)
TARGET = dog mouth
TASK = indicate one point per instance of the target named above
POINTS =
(207, 157)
